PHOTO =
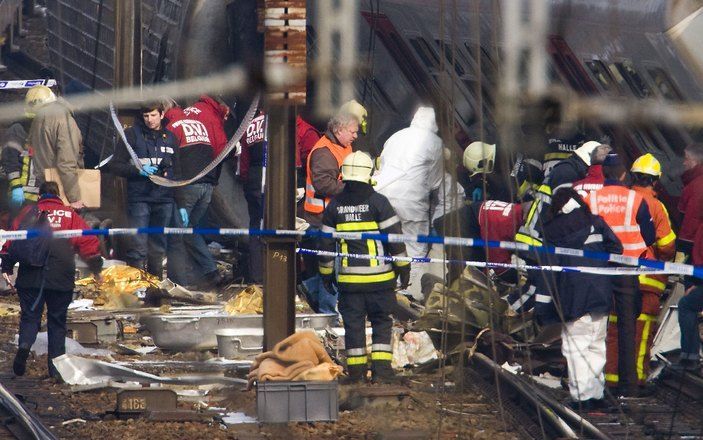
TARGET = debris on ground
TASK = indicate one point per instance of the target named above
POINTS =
(248, 301)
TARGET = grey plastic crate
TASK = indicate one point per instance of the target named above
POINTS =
(281, 402)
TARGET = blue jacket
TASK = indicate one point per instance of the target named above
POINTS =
(575, 294)
(158, 148)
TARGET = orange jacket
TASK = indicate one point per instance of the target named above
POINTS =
(665, 247)
(618, 206)
(314, 204)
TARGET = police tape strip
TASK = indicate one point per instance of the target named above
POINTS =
(661, 266)
(231, 144)
(25, 83)
(485, 264)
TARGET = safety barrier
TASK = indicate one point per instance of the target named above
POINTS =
(655, 266)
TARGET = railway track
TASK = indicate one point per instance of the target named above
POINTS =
(672, 412)
(18, 421)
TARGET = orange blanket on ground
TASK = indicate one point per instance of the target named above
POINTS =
(300, 356)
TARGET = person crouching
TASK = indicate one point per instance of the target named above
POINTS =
(50, 278)
(580, 301)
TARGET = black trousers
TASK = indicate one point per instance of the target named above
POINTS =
(377, 306)
(627, 307)
(57, 302)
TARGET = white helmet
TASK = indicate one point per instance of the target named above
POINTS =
(36, 98)
(357, 167)
(479, 157)
(585, 151)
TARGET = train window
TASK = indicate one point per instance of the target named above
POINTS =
(425, 52)
(674, 138)
(633, 79)
(664, 84)
(600, 72)
(449, 54)
(569, 66)
(382, 98)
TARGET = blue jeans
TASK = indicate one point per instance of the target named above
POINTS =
(149, 249)
(189, 259)
(689, 308)
(326, 302)
(57, 302)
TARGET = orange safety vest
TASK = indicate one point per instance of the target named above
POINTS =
(618, 206)
(665, 246)
(313, 204)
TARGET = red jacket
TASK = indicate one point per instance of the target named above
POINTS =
(61, 265)
(593, 181)
(499, 221)
(306, 136)
(690, 238)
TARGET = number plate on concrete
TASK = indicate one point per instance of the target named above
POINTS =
(143, 400)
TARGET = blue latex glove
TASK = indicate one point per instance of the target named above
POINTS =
(17, 196)
(148, 170)
(184, 216)
(477, 195)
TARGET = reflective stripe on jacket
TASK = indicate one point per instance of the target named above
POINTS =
(618, 206)
(665, 247)
(314, 204)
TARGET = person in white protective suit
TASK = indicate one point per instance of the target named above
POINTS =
(410, 170)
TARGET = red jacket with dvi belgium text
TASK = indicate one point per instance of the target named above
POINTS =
(61, 266)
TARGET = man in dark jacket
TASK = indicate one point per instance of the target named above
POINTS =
(580, 301)
(18, 166)
(53, 282)
(366, 286)
(148, 204)
(200, 132)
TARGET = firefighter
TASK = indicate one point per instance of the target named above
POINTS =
(627, 213)
(646, 171)
(366, 286)
(17, 161)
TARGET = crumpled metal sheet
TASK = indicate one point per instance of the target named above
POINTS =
(76, 370)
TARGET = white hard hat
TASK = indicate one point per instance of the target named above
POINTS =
(479, 157)
(36, 98)
(357, 167)
(585, 151)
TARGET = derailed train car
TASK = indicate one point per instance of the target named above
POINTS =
(442, 53)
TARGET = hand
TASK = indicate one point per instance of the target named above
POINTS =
(17, 196)
(184, 216)
(477, 195)
(6, 277)
(77, 205)
(403, 273)
(680, 257)
(328, 282)
(689, 290)
(148, 170)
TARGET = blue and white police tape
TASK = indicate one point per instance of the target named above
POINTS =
(25, 83)
(484, 264)
(662, 266)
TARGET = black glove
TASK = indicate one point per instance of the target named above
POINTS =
(328, 282)
(95, 265)
(403, 273)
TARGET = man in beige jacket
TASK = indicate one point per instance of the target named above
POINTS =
(56, 140)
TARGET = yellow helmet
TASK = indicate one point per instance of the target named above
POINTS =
(358, 110)
(647, 164)
(358, 167)
(479, 157)
(36, 98)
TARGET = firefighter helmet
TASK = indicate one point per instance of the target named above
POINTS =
(358, 110)
(585, 151)
(358, 167)
(479, 157)
(647, 164)
(36, 98)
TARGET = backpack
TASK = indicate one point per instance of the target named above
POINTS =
(33, 251)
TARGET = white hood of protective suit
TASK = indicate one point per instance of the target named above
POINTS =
(411, 167)
(424, 118)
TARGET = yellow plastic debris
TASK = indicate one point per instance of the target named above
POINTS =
(248, 301)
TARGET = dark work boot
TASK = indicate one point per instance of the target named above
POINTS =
(382, 372)
(19, 366)
(355, 374)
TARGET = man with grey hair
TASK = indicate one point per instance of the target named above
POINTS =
(322, 183)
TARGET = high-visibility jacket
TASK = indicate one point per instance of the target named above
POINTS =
(313, 204)
(664, 247)
(360, 209)
(618, 206)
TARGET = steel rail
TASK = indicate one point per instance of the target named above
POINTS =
(27, 420)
